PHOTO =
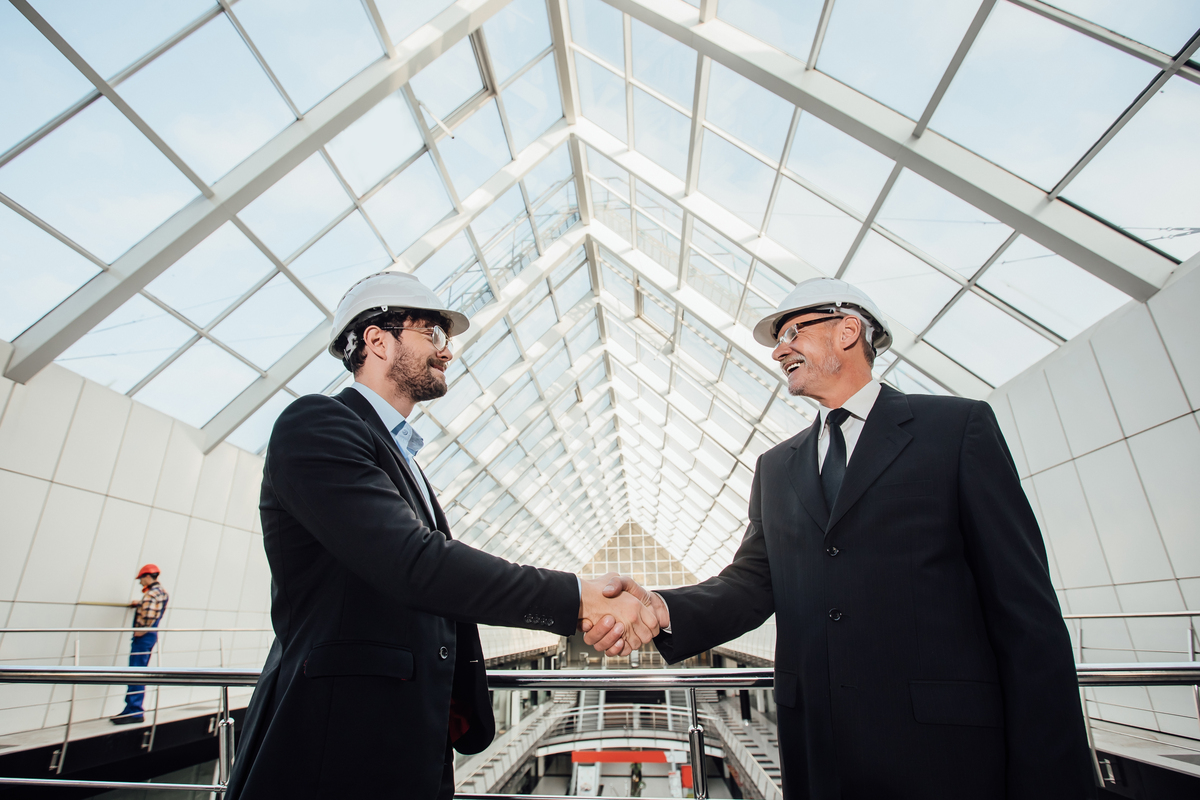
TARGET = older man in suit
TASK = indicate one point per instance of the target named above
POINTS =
(377, 673)
(921, 652)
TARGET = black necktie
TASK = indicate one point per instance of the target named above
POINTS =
(834, 467)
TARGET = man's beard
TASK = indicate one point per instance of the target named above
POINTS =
(416, 379)
(827, 366)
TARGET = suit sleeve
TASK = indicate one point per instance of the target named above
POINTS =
(321, 462)
(1044, 729)
(727, 605)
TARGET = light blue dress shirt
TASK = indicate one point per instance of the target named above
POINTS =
(405, 435)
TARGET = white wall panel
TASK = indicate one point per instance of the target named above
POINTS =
(1069, 526)
(163, 545)
(1132, 545)
(35, 423)
(216, 480)
(199, 560)
(243, 494)
(94, 439)
(113, 563)
(1042, 434)
(61, 546)
(226, 591)
(1174, 311)
(1140, 379)
(1081, 398)
(180, 471)
(1168, 459)
(21, 502)
(1008, 426)
(140, 461)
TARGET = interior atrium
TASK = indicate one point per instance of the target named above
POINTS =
(615, 192)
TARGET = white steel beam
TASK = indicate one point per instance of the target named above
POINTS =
(1100, 249)
(78, 314)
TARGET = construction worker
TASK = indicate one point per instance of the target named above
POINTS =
(150, 610)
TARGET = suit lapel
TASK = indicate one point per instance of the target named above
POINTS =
(361, 406)
(802, 469)
(881, 441)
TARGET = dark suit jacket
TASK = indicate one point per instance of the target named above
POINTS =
(921, 652)
(374, 608)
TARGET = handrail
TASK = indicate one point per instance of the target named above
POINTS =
(1133, 615)
(1182, 673)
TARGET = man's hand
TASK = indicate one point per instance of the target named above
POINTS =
(604, 634)
(623, 616)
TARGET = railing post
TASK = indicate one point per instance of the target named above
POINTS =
(1097, 774)
(696, 738)
(1192, 657)
(62, 755)
(224, 739)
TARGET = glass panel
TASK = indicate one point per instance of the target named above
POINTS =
(739, 182)
(1143, 180)
(512, 253)
(720, 249)
(477, 151)
(270, 322)
(402, 17)
(1164, 24)
(664, 64)
(601, 96)
(585, 335)
(518, 399)
(37, 272)
(951, 230)
(37, 83)
(620, 288)
(1050, 289)
(468, 291)
(452, 258)
(252, 435)
(555, 168)
(612, 211)
(501, 214)
(496, 362)
(785, 24)
(461, 395)
(536, 323)
(209, 100)
(1033, 95)
(903, 285)
(296, 208)
(714, 283)
(894, 52)
(532, 103)
(770, 283)
(598, 28)
(312, 46)
(748, 112)
(614, 177)
(376, 143)
(211, 275)
(484, 343)
(516, 34)
(665, 212)
(339, 259)
(811, 228)
(658, 310)
(97, 180)
(449, 81)
(574, 289)
(838, 163)
(127, 345)
(112, 36)
(911, 380)
(198, 384)
(319, 376)
(657, 243)
(409, 205)
(987, 341)
(557, 214)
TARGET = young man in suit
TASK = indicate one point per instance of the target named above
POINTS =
(921, 652)
(377, 674)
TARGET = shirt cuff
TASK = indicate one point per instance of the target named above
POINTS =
(666, 630)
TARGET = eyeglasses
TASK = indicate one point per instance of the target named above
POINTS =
(436, 335)
(789, 334)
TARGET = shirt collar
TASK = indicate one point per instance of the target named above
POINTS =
(859, 404)
(392, 419)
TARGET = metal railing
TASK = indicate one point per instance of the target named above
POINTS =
(1165, 674)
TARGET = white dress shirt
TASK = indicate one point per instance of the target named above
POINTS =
(404, 434)
(859, 405)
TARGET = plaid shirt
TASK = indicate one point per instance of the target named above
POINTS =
(150, 610)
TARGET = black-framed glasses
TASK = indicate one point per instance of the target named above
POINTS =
(789, 334)
(436, 335)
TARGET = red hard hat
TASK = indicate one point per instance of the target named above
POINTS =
(149, 569)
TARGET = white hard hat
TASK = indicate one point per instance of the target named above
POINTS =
(386, 291)
(824, 293)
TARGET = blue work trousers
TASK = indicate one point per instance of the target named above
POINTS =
(139, 656)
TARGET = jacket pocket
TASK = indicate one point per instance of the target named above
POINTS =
(957, 703)
(787, 688)
(339, 659)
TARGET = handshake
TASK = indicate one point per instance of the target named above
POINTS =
(618, 616)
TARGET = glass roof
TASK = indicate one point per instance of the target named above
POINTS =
(614, 210)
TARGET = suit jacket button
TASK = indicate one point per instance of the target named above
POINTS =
(443, 653)
(530, 619)
(835, 614)
(832, 550)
